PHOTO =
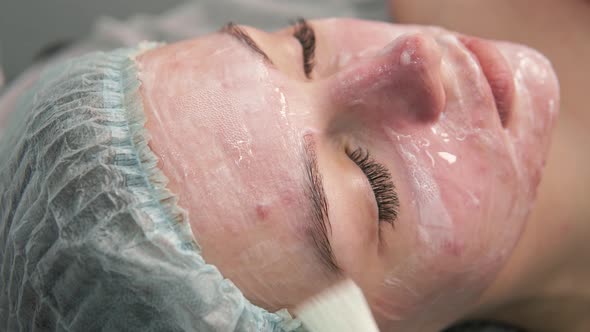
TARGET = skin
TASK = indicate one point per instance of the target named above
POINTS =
(229, 129)
(547, 274)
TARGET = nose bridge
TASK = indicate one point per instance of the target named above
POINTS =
(402, 82)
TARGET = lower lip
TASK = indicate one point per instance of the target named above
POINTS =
(497, 72)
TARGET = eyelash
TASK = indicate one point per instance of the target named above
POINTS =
(306, 37)
(381, 183)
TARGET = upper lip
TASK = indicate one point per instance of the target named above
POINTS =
(497, 72)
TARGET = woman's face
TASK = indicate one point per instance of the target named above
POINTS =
(403, 157)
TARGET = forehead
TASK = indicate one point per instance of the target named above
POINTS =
(208, 55)
(232, 149)
(222, 118)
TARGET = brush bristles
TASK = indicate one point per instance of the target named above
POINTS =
(342, 308)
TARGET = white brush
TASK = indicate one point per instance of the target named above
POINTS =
(341, 308)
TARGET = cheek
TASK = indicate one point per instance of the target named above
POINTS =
(464, 191)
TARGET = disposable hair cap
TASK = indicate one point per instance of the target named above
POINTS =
(90, 239)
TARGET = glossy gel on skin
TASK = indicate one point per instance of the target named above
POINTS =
(464, 137)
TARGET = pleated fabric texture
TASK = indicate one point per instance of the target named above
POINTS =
(90, 239)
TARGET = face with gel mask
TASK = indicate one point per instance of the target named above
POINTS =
(403, 157)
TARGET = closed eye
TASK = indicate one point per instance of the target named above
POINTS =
(381, 183)
(306, 37)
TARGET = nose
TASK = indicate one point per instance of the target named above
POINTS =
(401, 84)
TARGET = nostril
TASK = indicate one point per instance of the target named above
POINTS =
(419, 76)
(400, 84)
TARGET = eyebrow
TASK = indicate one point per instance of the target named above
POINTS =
(244, 38)
(305, 33)
(315, 194)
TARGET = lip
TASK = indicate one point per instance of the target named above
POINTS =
(497, 72)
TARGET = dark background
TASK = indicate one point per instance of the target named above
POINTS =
(28, 26)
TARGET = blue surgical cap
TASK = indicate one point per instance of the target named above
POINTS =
(90, 238)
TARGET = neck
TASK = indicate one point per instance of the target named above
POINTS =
(544, 286)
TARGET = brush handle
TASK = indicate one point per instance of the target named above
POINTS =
(342, 308)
